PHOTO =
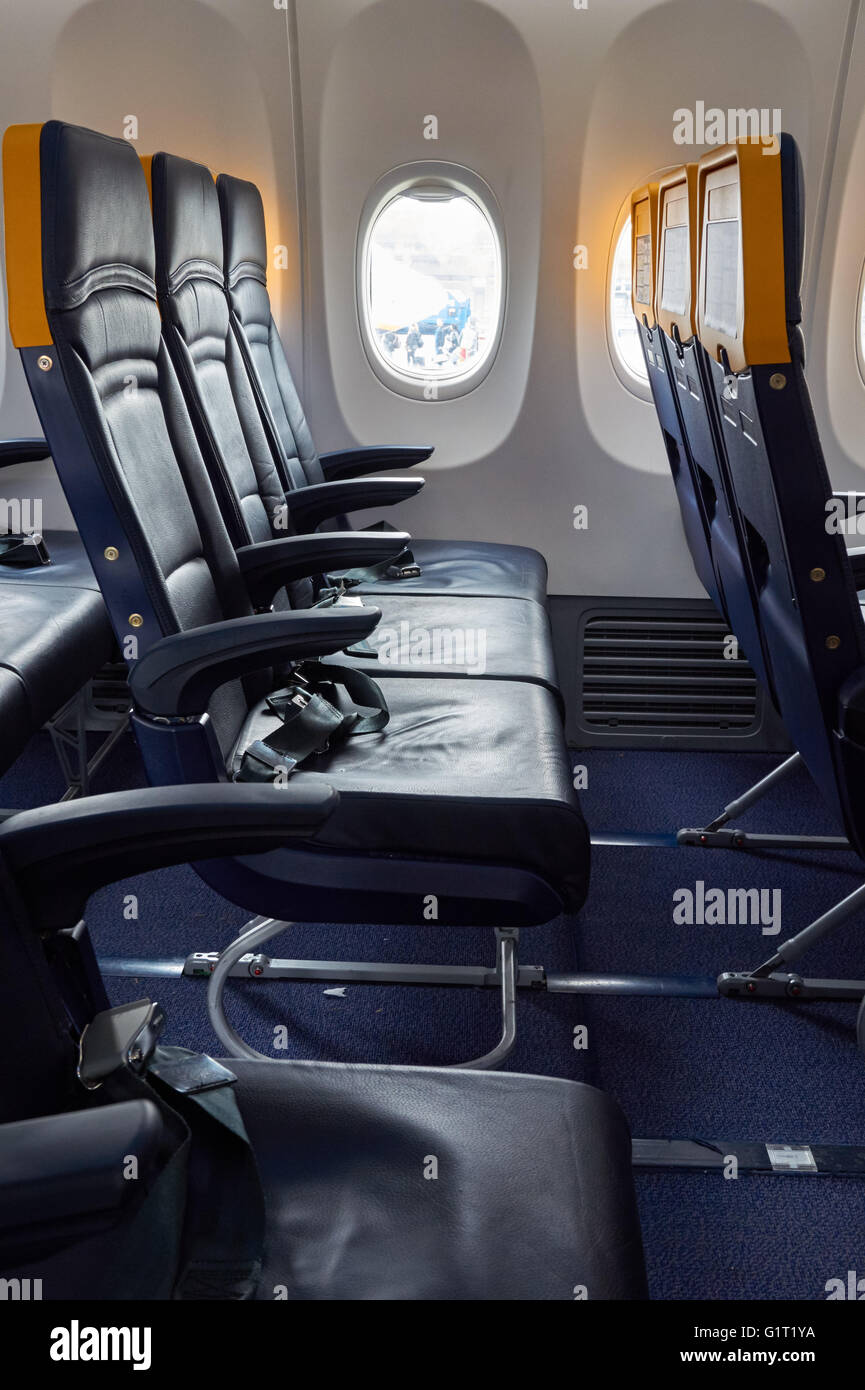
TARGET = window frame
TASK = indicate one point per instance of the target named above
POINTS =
(858, 325)
(391, 185)
(636, 385)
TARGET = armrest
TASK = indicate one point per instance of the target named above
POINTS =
(63, 1175)
(178, 674)
(356, 463)
(270, 564)
(61, 854)
(308, 507)
(23, 451)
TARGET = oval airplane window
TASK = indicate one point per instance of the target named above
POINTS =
(860, 326)
(431, 286)
(624, 340)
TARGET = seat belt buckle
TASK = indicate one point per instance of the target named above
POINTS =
(261, 764)
(23, 551)
(340, 583)
(189, 1073)
(297, 678)
(411, 571)
(122, 1037)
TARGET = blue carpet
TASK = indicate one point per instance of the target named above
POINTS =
(708, 1068)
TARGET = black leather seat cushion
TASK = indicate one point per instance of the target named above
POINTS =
(505, 639)
(465, 770)
(54, 629)
(471, 568)
(54, 639)
(16, 725)
(534, 1195)
(68, 565)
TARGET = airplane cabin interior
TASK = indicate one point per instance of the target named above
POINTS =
(432, 667)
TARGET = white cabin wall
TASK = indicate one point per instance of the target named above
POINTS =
(210, 81)
(834, 376)
(609, 80)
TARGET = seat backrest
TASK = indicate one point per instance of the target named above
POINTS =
(703, 487)
(245, 247)
(83, 313)
(644, 271)
(748, 314)
(190, 286)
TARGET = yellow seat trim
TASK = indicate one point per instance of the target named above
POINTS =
(147, 166)
(759, 336)
(22, 211)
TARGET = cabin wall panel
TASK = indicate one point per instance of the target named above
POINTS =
(610, 78)
(834, 374)
(206, 80)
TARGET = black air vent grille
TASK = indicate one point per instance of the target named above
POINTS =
(663, 673)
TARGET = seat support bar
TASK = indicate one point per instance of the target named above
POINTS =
(729, 984)
(718, 834)
(756, 793)
(746, 839)
(202, 964)
(234, 961)
(735, 1157)
(767, 981)
(68, 731)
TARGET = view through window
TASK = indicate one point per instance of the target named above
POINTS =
(434, 283)
(623, 326)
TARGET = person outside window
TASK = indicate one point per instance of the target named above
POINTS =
(414, 346)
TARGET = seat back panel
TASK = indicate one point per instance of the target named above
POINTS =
(708, 514)
(748, 320)
(645, 266)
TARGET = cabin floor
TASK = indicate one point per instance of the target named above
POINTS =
(709, 1069)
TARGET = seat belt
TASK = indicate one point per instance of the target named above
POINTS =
(216, 1194)
(310, 722)
(402, 566)
(206, 1202)
(224, 1221)
(336, 595)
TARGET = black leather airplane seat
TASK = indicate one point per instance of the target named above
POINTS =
(664, 270)
(498, 637)
(376, 1182)
(792, 565)
(467, 793)
(532, 1195)
(455, 567)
